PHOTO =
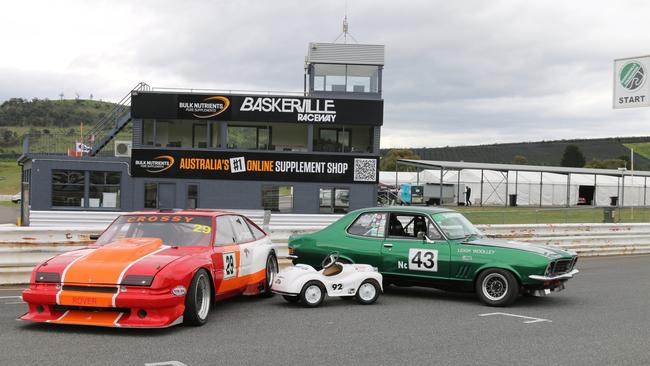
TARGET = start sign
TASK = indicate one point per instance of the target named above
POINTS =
(631, 86)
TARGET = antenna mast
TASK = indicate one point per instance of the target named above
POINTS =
(345, 32)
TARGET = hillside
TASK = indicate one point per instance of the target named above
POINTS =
(543, 152)
(41, 117)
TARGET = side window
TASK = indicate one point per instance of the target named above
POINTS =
(406, 225)
(242, 232)
(223, 234)
(370, 224)
(432, 231)
(257, 233)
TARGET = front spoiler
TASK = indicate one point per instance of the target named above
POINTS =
(564, 276)
(111, 319)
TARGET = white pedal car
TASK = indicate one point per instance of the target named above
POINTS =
(303, 283)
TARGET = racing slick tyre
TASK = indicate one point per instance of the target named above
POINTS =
(497, 287)
(198, 299)
(368, 292)
(291, 299)
(312, 294)
(271, 272)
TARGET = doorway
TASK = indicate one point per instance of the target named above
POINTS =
(586, 195)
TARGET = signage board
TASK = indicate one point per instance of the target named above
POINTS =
(631, 85)
(257, 108)
(260, 166)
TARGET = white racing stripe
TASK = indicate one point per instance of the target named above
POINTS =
(58, 294)
(119, 280)
(119, 316)
(59, 318)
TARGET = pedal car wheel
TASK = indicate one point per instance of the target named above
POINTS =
(271, 272)
(368, 292)
(312, 294)
(198, 299)
(291, 299)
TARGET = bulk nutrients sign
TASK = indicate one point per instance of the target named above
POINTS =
(266, 166)
(257, 108)
(631, 86)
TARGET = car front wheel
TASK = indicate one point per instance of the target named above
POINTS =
(198, 299)
(312, 294)
(497, 287)
(368, 292)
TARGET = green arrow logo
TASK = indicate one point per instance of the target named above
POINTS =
(632, 76)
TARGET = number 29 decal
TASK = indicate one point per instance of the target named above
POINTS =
(229, 265)
(423, 260)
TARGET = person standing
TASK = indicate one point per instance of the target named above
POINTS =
(468, 196)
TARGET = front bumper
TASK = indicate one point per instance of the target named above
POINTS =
(564, 276)
(135, 308)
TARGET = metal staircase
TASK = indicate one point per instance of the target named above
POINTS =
(108, 127)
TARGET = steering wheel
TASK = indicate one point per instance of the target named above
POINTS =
(330, 260)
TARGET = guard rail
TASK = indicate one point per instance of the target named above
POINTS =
(23, 247)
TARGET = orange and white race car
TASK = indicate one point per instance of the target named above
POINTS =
(154, 269)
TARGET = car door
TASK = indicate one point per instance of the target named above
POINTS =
(247, 243)
(362, 240)
(406, 255)
(224, 255)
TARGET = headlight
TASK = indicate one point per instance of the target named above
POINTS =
(137, 280)
(53, 277)
(291, 251)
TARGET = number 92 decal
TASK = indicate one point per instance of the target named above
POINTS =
(423, 260)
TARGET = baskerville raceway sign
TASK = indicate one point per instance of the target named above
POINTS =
(631, 86)
(257, 108)
(254, 166)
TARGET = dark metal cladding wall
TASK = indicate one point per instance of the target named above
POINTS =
(41, 189)
(228, 194)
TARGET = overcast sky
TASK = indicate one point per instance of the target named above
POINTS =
(457, 72)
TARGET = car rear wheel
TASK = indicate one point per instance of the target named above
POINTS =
(198, 299)
(497, 287)
(312, 294)
(271, 272)
(368, 292)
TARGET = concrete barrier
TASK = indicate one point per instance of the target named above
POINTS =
(21, 248)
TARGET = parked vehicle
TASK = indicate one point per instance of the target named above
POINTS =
(302, 283)
(154, 269)
(439, 248)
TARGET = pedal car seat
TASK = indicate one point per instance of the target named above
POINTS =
(333, 270)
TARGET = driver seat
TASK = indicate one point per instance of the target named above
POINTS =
(335, 269)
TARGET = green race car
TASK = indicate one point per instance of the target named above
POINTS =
(437, 247)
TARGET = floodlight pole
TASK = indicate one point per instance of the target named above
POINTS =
(568, 189)
(541, 185)
(481, 203)
(507, 181)
(458, 189)
(441, 186)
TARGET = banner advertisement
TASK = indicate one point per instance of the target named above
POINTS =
(631, 86)
(257, 108)
(266, 166)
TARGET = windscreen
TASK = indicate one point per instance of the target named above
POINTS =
(455, 225)
(174, 230)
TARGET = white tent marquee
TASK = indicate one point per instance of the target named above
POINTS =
(512, 179)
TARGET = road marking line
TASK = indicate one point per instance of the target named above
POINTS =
(12, 303)
(529, 321)
(10, 297)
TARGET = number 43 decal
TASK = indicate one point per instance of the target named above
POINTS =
(423, 260)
